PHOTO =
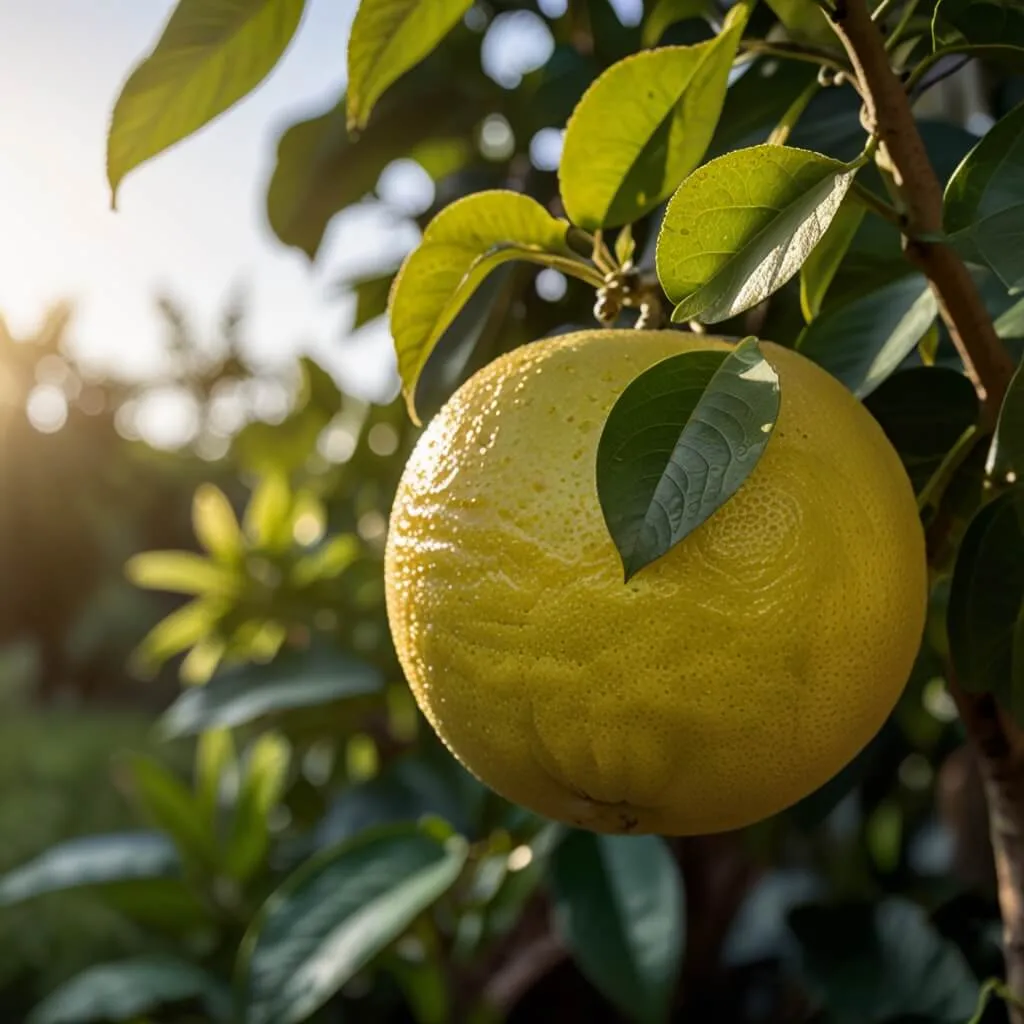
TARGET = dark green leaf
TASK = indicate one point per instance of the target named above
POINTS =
(984, 201)
(131, 989)
(924, 411)
(643, 126)
(320, 170)
(211, 54)
(619, 908)
(984, 614)
(872, 963)
(741, 226)
(983, 22)
(679, 442)
(460, 247)
(171, 807)
(332, 917)
(94, 860)
(388, 37)
(292, 680)
(1006, 456)
(821, 265)
(863, 341)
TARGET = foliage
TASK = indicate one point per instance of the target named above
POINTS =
(327, 857)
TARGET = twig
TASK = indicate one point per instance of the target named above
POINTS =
(877, 204)
(794, 51)
(998, 742)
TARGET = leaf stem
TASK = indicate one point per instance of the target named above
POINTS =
(877, 204)
(927, 63)
(901, 26)
(795, 51)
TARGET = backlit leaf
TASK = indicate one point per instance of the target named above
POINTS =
(821, 265)
(741, 226)
(460, 247)
(667, 13)
(211, 54)
(388, 37)
(264, 771)
(679, 442)
(335, 914)
(642, 126)
(863, 341)
(215, 524)
(178, 571)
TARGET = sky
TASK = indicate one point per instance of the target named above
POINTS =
(191, 224)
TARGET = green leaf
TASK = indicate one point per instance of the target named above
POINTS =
(678, 443)
(93, 860)
(1011, 323)
(170, 636)
(267, 522)
(667, 13)
(642, 126)
(984, 201)
(335, 915)
(211, 54)
(215, 524)
(874, 963)
(215, 758)
(130, 989)
(1006, 456)
(199, 665)
(389, 37)
(320, 169)
(169, 806)
(264, 773)
(178, 571)
(619, 908)
(984, 618)
(863, 341)
(924, 412)
(329, 561)
(998, 23)
(292, 680)
(741, 226)
(460, 247)
(805, 22)
(821, 265)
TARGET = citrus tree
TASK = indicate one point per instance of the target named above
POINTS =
(658, 590)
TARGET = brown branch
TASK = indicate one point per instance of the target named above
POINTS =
(888, 115)
(998, 742)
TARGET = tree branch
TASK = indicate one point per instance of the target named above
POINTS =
(887, 113)
(998, 742)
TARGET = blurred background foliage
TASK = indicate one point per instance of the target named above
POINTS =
(200, 705)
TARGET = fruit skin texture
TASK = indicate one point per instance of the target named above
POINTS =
(726, 680)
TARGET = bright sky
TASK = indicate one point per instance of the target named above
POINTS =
(190, 223)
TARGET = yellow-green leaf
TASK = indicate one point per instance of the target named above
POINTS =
(805, 22)
(264, 774)
(182, 628)
(821, 265)
(181, 572)
(202, 661)
(331, 559)
(460, 247)
(741, 226)
(388, 37)
(215, 757)
(667, 13)
(215, 524)
(211, 54)
(267, 522)
(643, 126)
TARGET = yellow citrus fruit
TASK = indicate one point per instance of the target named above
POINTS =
(726, 680)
